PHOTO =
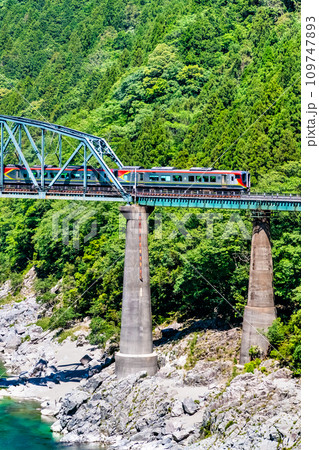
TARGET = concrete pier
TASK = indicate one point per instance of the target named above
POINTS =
(136, 344)
(260, 311)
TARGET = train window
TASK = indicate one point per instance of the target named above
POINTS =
(205, 179)
(52, 175)
(232, 178)
(153, 178)
(191, 178)
(72, 175)
(213, 179)
(45, 174)
(198, 179)
(77, 175)
(237, 176)
(141, 176)
(88, 175)
(177, 178)
(126, 177)
(25, 175)
(35, 174)
(165, 178)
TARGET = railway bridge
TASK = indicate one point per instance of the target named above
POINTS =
(27, 142)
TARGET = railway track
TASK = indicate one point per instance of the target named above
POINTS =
(182, 195)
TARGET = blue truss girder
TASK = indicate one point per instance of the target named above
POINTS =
(247, 202)
(98, 149)
(255, 202)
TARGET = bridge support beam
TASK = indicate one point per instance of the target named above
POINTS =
(136, 344)
(260, 311)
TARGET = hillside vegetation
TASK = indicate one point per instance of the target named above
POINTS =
(166, 82)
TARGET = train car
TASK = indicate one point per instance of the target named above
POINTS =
(72, 175)
(200, 179)
(196, 177)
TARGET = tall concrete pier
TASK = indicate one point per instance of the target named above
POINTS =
(136, 344)
(260, 311)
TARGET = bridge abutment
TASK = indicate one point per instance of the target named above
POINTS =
(136, 343)
(260, 311)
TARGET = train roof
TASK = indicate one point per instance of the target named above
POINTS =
(164, 168)
(131, 168)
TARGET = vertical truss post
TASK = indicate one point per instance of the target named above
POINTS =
(1, 158)
(60, 150)
(20, 142)
(42, 159)
(85, 170)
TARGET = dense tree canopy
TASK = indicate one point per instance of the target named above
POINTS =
(166, 82)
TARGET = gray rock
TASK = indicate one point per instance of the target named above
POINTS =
(12, 340)
(170, 427)
(141, 436)
(177, 409)
(190, 407)
(73, 401)
(5, 289)
(85, 360)
(180, 435)
(81, 340)
(56, 427)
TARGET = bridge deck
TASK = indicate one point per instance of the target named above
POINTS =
(265, 202)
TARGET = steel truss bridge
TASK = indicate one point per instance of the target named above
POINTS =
(27, 140)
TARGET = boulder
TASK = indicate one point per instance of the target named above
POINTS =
(85, 360)
(180, 435)
(190, 407)
(177, 409)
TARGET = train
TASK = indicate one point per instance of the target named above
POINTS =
(163, 179)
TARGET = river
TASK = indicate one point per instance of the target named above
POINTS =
(21, 426)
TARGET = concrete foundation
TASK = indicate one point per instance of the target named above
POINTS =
(260, 311)
(136, 344)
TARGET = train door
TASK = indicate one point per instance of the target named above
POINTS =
(224, 180)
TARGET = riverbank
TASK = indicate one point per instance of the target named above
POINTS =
(200, 397)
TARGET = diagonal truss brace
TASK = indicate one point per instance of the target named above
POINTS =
(5, 145)
(66, 164)
(108, 172)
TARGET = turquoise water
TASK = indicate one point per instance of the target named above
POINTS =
(21, 428)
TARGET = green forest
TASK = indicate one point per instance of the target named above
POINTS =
(166, 83)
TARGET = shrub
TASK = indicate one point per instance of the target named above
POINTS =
(286, 342)
(62, 317)
(102, 330)
(252, 365)
(254, 352)
(44, 323)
